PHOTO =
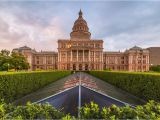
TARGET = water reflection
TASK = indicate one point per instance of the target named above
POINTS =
(67, 101)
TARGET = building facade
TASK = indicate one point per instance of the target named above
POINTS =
(80, 53)
(43, 60)
(134, 59)
(154, 56)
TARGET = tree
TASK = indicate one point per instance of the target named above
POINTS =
(12, 61)
(19, 62)
(5, 52)
(5, 59)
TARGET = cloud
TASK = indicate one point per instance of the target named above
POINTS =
(40, 24)
(15, 33)
(144, 37)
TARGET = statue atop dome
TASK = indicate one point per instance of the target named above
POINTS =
(80, 13)
(80, 28)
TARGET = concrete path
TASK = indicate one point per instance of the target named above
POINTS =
(86, 80)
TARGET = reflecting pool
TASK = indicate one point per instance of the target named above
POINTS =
(64, 94)
(68, 100)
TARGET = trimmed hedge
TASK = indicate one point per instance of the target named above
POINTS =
(143, 85)
(155, 68)
(14, 86)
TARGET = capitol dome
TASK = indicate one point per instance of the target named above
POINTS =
(80, 28)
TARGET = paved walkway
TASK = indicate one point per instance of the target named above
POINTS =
(86, 80)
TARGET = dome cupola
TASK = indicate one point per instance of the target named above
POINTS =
(80, 29)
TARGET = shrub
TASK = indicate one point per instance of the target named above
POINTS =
(143, 85)
(90, 111)
(29, 111)
(155, 68)
(14, 86)
(149, 111)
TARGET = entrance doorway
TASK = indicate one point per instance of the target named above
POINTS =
(74, 67)
(86, 66)
(80, 66)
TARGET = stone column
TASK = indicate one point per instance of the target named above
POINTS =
(60, 56)
(136, 63)
(71, 55)
(45, 62)
(67, 60)
(77, 55)
(77, 61)
(89, 59)
(148, 61)
(89, 56)
(102, 60)
(58, 60)
(83, 55)
(71, 66)
(129, 63)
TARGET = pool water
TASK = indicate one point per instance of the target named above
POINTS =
(68, 100)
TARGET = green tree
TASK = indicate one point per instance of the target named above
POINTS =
(5, 59)
(12, 61)
(5, 52)
(18, 61)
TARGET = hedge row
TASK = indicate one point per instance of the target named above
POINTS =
(143, 85)
(14, 86)
(155, 68)
(90, 111)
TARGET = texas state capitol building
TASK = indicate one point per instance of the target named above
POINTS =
(80, 52)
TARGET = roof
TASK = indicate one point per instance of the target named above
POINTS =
(135, 48)
(25, 48)
(46, 52)
(113, 52)
(22, 48)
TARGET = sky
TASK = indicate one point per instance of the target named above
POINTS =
(39, 24)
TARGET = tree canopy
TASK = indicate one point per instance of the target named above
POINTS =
(12, 60)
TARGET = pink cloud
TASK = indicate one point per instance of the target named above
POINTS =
(16, 33)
